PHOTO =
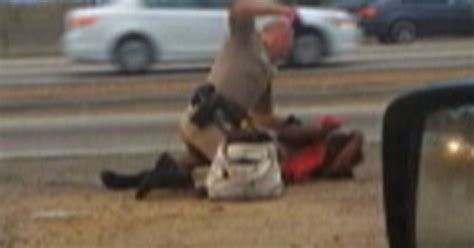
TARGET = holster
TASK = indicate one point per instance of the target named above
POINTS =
(211, 107)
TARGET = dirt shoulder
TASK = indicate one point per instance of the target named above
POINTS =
(323, 214)
(62, 205)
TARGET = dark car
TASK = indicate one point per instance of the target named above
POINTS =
(405, 20)
(352, 6)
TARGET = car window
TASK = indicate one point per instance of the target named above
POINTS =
(426, 1)
(460, 2)
(347, 3)
(215, 3)
(188, 3)
(308, 2)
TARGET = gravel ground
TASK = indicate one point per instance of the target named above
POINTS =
(61, 204)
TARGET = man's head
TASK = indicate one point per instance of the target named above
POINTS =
(277, 37)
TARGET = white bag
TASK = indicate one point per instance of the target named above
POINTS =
(245, 171)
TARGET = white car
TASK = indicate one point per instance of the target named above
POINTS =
(133, 34)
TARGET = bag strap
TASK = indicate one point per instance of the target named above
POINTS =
(225, 150)
(268, 159)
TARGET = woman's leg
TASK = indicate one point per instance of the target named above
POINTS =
(120, 181)
(167, 171)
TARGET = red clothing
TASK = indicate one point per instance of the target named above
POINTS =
(311, 159)
(301, 166)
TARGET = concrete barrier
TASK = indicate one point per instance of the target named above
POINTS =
(32, 30)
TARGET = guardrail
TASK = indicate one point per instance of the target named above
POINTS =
(27, 29)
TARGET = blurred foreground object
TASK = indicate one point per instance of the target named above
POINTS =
(428, 167)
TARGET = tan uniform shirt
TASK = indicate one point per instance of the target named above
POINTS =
(241, 73)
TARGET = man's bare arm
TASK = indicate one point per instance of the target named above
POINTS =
(252, 8)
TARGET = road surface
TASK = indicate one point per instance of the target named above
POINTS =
(428, 54)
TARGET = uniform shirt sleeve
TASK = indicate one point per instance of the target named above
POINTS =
(242, 27)
(264, 104)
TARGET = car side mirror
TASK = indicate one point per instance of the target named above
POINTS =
(428, 167)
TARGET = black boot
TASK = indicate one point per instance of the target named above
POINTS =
(115, 181)
(166, 174)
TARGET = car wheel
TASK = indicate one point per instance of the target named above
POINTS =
(403, 32)
(308, 50)
(134, 55)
